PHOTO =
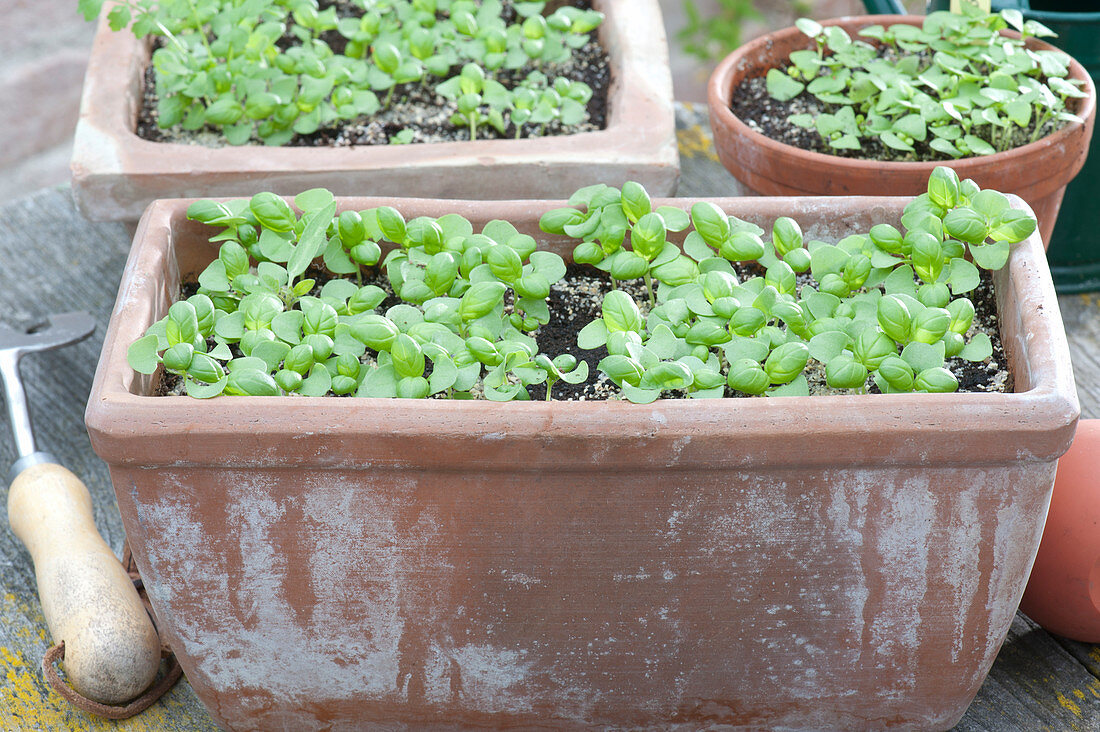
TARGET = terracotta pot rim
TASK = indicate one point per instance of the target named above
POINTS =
(1042, 376)
(116, 173)
(720, 93)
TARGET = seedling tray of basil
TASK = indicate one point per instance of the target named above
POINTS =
(215, 101)
(434, 307)
(582, 562)
(870, 105)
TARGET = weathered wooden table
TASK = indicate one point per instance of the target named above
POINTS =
(52, 260)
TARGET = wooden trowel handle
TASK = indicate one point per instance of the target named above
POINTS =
(111, 647)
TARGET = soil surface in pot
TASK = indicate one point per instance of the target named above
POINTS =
(417, 113)
(576, 301)
(752, 104)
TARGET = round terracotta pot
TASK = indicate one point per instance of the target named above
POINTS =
(1063, 593)
(1037, 172)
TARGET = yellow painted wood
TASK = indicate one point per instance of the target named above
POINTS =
(28, 703)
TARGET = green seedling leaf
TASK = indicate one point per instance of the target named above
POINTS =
(934, 295)
(317, 383)
(844, 372)
(314, 200)
(786, 235)
(593, 335)
(991, 256)
(786, 362)
(826, 346)
(312, 241)
(640, 396)
(635, 201)
(742, 246)
(696, 248)
(962, 276)
(797, 387)
(204, 390)
(620, 312)
(480, 300)
(943, 187)
(923, 356)
(710, 223)
(781, 86)
(894, 318)
(930, 325)
(676, 219)
(872, 347)
(809, 27)
(667, 376)
(891, 139)
(978, 349)
(896, 373)
(748, 376)
(273, 212)
(936, 380)
(621, 369)
(251, 382)
(1013, 226)
(142, 355)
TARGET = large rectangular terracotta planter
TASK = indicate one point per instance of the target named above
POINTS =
(116, 173)
(847, 562)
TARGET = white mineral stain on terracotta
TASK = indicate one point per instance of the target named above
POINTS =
(355, 535)
(674, 521)
(355, 571)
(520, 578)
(96, 150)
(494, 679)
(958, 563)
(1014, 544)
(271, 647)
(677, 449)
(183, 547)
(903, 551)
(641, 574)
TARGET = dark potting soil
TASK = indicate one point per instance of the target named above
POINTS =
(415, 107)
(576, 301)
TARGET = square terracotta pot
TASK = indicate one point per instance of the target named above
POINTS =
(116, 174)
(805, 563)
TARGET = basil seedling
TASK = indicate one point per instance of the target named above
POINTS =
(877, 305)
(266, 70)
(954, 87)
(885, 305)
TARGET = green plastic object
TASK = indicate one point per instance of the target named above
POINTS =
(1073, 254)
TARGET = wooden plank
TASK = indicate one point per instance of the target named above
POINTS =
(1087, 654)
(1081, 315)
(1037, 682)
(701, 173)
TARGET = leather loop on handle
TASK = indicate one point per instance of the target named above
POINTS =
(109, 711)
